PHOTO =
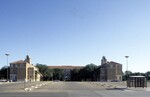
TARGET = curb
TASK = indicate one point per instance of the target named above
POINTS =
(35, 87)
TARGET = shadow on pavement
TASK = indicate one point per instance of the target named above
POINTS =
(116, 89)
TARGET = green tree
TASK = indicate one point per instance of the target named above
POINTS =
(90, 69)
(127, 74)
(82, 74)
(75, 74)
(88, 73)
(3, 72)
(147, 74)
(57, 74)
(96, 74)
(45, 71)
(138, 74)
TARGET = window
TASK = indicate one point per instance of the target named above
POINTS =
(22, 65)
(11, 70)
(11, 65)
(102, 71)
(111, 66)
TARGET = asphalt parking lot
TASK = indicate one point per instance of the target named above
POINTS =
(74, 89)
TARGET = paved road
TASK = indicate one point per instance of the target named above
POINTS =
(16, 86)
(76, 89)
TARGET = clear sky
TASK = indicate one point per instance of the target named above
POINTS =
(76, 32)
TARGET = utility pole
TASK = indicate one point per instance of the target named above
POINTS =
(7, 54)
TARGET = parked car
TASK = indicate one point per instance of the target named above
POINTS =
(3, 80)
(115, 81)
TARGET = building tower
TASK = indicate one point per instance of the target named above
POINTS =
(103, 60)
(28, 60)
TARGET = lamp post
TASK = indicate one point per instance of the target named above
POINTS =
(7, 54)
(127, 64)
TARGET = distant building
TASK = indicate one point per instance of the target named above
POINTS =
(110, 71)
(23, 70)
(66, 70)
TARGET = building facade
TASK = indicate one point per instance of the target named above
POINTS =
(23, 70)
(110, 71)
(66, 70)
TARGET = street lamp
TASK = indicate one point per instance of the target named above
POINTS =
(127, 61)
(127, 64)
(7, 54)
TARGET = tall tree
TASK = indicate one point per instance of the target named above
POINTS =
(147, 75)
(3, 72)
(45, 71)
(57, 74)
(75, 74)
(126, 75)
(88, 73)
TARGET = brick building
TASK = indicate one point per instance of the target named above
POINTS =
(23, 70)
(110, 71)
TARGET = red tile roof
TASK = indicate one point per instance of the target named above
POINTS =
(18, 62)
(114, 62)
(65, 67)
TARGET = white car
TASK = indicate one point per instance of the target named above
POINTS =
(3, 80)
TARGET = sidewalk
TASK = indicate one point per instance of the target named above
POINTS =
(122, 86)
(139, 89)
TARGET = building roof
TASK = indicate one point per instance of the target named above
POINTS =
(109, 63)
(18, 62)
(65, 67)
(114, 62)
(137, 76)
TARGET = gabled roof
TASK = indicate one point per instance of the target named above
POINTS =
(65, 67)
(18, 62)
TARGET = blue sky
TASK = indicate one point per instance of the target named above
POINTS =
(76, 32)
